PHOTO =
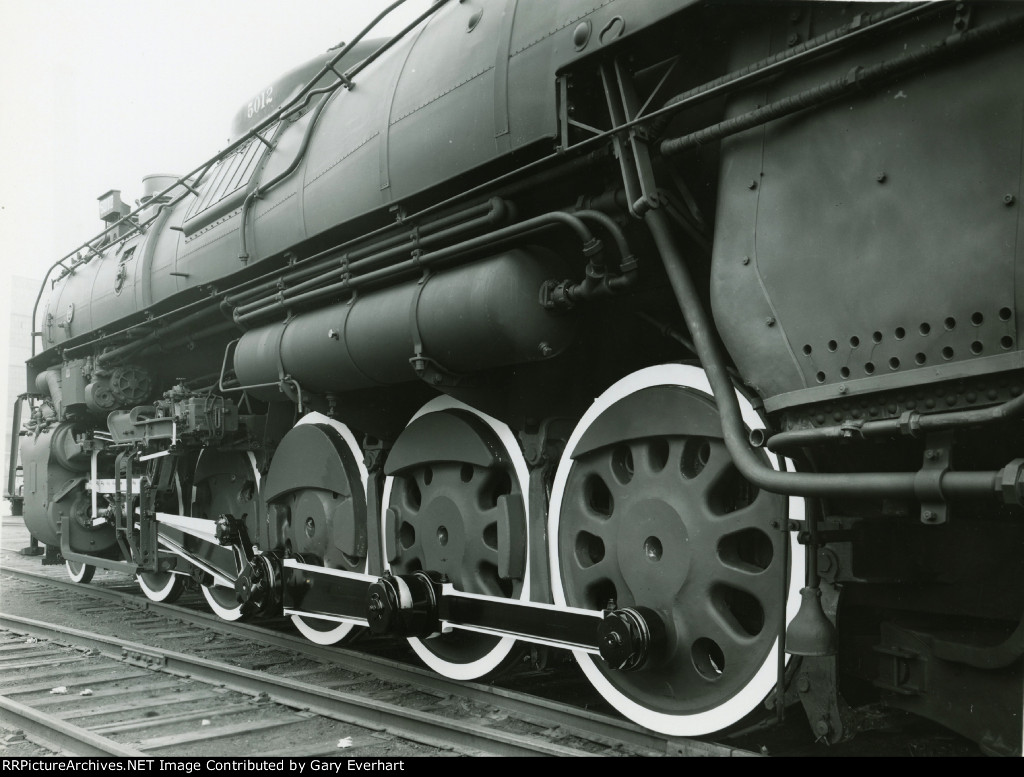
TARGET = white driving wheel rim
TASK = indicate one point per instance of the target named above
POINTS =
(759, 686)
(471, 670)
(341, 630)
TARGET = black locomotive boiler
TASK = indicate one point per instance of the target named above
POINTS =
(679, 335)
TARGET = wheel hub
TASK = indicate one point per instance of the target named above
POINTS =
(316, 494)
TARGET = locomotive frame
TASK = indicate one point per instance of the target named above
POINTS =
(622, 365)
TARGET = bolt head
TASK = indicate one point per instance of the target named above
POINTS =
(752, 184)
(1009, 199)
(612, 640)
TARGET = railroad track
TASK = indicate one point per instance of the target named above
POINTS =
(84, 693)
(399, 700)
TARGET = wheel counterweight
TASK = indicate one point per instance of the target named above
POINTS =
(316, 492)
(649, 511)
(457, 505)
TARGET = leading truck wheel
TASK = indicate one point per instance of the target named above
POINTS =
(79, 572)
(224, 482)
(648, 510)
(316, 491)
(457, 483)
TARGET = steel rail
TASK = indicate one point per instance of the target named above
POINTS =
(572, 720)
(414, 725)
(64, 738)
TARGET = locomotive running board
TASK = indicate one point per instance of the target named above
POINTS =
(624, 637)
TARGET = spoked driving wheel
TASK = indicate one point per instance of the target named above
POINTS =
(455, 503)
(648, 510)
(316, 492)
(165, 586)
(224, 482)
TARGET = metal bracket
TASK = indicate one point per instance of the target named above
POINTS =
(962, 19)
(938, 454)
(545, 445)
(817, 685)
(632, 150)
(827, 712)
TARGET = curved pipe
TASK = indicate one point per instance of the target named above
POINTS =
(591, 247)
(912, 485)
(260, 189)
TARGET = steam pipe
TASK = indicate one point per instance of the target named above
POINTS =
(323, 260)
(591, 247)
(910, 423)
(860, 485)
(799, 54)
(857, 78)
(376, 254)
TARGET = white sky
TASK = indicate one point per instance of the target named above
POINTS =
(96, 94)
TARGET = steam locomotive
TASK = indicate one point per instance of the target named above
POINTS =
(681, 336)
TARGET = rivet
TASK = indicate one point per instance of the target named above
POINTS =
(751, 184)
(770, 321)
(793, 39)
(1009, 199)
(745, 260)
(880, 177)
